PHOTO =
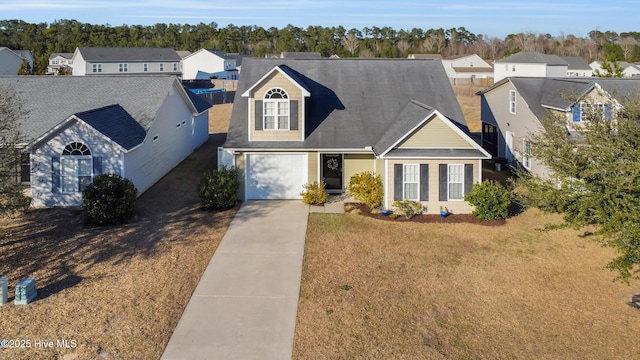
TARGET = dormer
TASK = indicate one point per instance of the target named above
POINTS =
(276, 106)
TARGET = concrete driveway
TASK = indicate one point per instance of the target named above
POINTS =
(246, 302)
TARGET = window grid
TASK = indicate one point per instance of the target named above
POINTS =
(512, 101)
(276, 110)
(456, 181)
(96, 68)
(526, 154)
(161, 67)
(411, 182)
(76, 168)
(123, 67)
(145, 67)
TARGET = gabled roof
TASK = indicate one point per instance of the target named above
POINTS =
(287, 72)
(128, 54)
(533, 58)
(353, 102)
(300, 55)
(9, 51)
(115, 123)
(576, 62)
(62, 55)
(140, 96)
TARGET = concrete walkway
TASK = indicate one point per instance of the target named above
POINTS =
(246, 302)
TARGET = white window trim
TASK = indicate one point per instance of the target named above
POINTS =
(277, 115)
(449, 182)
(416, 182)
(96, 68)
(145, 67)
(76, 176)
(123, 67)
(526, 154)
(161, 67)
(512, 101)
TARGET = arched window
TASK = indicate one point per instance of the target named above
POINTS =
(276, 110)
(76, 167)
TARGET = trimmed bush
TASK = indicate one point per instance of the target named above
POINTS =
(218, 188)
(110, 199)
(314, 193)
(491, 200)
(407, 208)
(366, 187)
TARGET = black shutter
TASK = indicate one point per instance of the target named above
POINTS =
(55, 174)
(293, 115)
(97, 166)
(259, 114)
(443, 182)
(424, 182)
(468, 178)
(397, 182)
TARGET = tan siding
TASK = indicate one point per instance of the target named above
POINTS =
(313, 166)
(435, 133)
(356, 163)
(433, 205)
(241, 174)
(276, 79)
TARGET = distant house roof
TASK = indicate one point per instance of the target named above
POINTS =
(25, 54)
(425, 56)
(128, 54)
(115, 123)
(140, 96)
(353, 103)
(183, 53)
(576, 62)
(533, 58)
(300, 55)
(64, 55)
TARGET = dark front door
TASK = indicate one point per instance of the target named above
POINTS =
(332, 171)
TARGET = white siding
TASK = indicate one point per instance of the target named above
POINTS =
(203, 61)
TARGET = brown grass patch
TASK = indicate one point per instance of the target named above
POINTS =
(470, 105)
(219, 117)
(459, 291)
(119, 291)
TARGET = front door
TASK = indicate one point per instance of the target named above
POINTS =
(332, 172)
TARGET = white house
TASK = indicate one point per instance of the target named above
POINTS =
(125, 61)
(207, 64)
(139, 127)
(467, 67)
(530, 64)
(577, 66)
(629, 70)
(60, 60)
(10, 61)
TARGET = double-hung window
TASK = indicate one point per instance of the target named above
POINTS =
(76, 168)
(512, 101)
(145, 67)
(123, 67)
(456, 181)
(526, 154)
(276, 110)
(96, 68)
(161, 67)
(411, 182)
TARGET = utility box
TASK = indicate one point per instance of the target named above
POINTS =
(4, 290)
(25, 291)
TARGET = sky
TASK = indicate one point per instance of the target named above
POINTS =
(490, 18)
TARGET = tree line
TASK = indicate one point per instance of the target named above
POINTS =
(60, 36)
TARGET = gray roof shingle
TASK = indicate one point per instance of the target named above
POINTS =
(533, 58)
(128, 54)
(353, 102)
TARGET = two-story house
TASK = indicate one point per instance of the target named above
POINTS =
(125, 61)
(299, 121)
(512, 109)
(531, 64)
(59, 61)
(209, 64)
(628, 69)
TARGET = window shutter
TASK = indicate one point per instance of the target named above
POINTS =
(259, 121)
(293, 115)
(424, 182)
(575, 109)
(97, 166)
(468, 178)
(55, 174)
(397, 182)
(443, 183)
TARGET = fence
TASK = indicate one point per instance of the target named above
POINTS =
(482, 82)
(223, 97)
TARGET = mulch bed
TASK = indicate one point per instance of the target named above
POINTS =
(424, 218)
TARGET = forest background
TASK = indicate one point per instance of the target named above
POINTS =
(63, 36)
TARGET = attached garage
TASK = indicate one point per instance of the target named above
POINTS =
(275, 175)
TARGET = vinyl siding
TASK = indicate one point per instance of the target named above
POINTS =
(435, 134)
(313, 167)
(356, 163)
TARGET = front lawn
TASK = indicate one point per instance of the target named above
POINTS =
(376, 289)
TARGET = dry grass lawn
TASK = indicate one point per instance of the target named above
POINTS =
(470, 105)
(378, 290)
(118, 292)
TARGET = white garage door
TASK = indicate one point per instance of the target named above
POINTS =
(276, 176)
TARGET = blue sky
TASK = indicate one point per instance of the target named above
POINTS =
(490, 18)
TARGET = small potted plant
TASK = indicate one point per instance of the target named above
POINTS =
(443, 212)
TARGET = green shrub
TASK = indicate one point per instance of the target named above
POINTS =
(314, 193)
(491, 200)
(407, 208)
(218, 188)
(109, 200)
(367, 188)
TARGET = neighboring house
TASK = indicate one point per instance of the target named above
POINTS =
(425, 56)
(512, 108)
(10, 61)
(26, 55)
(531, 64)
(139, 127)
(207, 64)
(295, 55)
(125, 61)
(60, 60)
(299, 121)
(577, 66)
(467, 67)
(629, 70)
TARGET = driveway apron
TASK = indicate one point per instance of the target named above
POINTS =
(246, 302)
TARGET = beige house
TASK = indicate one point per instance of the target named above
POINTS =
(299, 121)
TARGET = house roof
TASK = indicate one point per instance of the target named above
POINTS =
(50, 100)
(300, 55)
(576, 62)
(533, 58)
(425, 56)
(115, 123)
(63, 55)
(128, 54)
(353, 103)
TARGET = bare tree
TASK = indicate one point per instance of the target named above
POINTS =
(627, 44)
(350, 43)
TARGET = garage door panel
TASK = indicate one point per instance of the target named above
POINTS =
(276, 176)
